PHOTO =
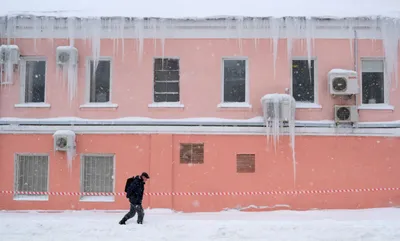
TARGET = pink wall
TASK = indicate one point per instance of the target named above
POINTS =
(322, 163)
(200, 61)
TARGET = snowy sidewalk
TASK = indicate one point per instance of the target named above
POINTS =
(338, 225)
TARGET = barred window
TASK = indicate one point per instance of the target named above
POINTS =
(31, 175)
(97, 175)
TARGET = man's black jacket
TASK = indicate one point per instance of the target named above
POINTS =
(135, 191)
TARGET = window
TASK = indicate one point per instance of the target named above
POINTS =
(31, 175)
(192, 153)
(235, 79)
(303, 81)
(33, 80)
(245, 163)
(166, 80)
(373, 82)
(100, 82)
(97, 175)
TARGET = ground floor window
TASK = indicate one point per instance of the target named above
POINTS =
(97, 176)
(31, 176)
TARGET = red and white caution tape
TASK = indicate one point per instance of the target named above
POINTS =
(206, 193)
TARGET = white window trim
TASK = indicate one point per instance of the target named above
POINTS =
(25, 197)
(166, 104)
(22, 74)
(306, 105)
(245, 104)
(383, 106)
(96, 198)
(89, 104)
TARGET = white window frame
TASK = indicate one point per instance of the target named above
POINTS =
(22, 80)
(82, 164)
(27, 197)
(166, 104)
(246, 103)
(386, 89)
(89, 104)
(306, 105)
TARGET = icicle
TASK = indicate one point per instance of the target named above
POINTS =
(290, 31)
(275, 25)
(154, 26)
(96, 29)
(276, 107)
(163, 30)
(349, 26)
(310, 36)
(139, 33)
(239, 26)
(390, 34)
(71, 31)
(35, 30)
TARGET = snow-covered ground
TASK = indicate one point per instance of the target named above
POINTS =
(338, 225)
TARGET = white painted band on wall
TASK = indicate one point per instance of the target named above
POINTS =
(294, 192)
(199, 130)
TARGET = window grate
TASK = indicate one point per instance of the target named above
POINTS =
(31, 173)
(192, 153)
(97, 173)
(245, 163)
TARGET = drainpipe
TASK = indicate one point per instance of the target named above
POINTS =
(355, 55)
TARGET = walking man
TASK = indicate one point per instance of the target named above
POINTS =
(134, 189)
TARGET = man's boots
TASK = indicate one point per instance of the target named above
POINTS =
(123, 221)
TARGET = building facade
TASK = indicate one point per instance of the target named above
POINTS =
(181, 101)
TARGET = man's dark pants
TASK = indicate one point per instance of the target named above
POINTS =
(132, 211)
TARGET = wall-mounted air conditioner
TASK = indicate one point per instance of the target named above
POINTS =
(343, 82)
(64, 140)
(9, 54)
(346, 114)
(66, 55)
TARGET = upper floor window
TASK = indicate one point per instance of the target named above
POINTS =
(99, 81)
(33, 80)
(97, 175)
(166, 80)
(373, 83)
(31, 175)
(303, 84)
(235, 80)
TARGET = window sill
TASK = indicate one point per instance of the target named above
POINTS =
(99, 105)
(97, 199)
(32, 105)
(376, 107)
(31, 198)
(234, 105)
(166, 105)
(302, 105)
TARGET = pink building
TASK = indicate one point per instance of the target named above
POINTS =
(87, 102)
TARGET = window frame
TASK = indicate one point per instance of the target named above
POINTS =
(96, 198)
(87, 84)
(386, 98)
(28, 197)
(22, 78)
(166, 104)
(246, 103)
(300, 104)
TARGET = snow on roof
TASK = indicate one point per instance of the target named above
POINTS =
(203, 9)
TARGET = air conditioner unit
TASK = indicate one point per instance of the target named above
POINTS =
(9, 54)
(343, 82)
(66, 55)
(64, 140)
(278, 107)
(346, 114)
